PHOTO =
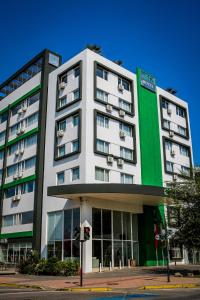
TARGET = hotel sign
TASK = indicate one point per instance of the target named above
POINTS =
(148, 81)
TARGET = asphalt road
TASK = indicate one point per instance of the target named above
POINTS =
(28, 294)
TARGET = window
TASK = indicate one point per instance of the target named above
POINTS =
(124, 83)
(166, 124)
(62, 101)
(10, 192)
(61, 151)
(62, 125)
(76, 94)
(126, 178)
(14, 128)
(12, 149)
(182, 130)
(11, 170)
(28, 187)
(75, 120)
(100, 72)
(169, 166)
(77, 72)
(30, 163)
(101, 95)
(184, 150)
(1, 154)
(3, 117)
(8, 220)
(102, 121)
(102, 146)
(31, 140)
(33, 99)
(101, 174)
(32, 119)
(165, 104)
(15, 109)
(2, 136)
(168, 145)
(60, 178)
(180, 111)
(126, 128)
(185, 171)
(125, 105)
(75, 174)
(27, 217)
(63, 78)
(75, 145)
(126, 153)
(173, 216)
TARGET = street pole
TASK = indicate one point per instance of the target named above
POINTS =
(81, 269)
(168, 270)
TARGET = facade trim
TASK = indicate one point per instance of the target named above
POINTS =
(22, 180)
(14, 235)
(34, 130)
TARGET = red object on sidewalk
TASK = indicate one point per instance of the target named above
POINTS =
(155, 234)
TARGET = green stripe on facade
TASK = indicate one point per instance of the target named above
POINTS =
(2, 147)
(21, 137)
(16, 182)
(13, 235)
(16, 102)
(151, 169)
(34, 90)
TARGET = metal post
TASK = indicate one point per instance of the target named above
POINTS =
(168, 270)
(81, 269)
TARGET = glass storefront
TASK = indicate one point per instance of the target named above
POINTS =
(115, 238)
(14, 252)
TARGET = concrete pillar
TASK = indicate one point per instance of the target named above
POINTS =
(86, 220)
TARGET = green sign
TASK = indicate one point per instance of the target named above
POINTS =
(148, 81)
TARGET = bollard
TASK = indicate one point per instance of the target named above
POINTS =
(120, 264)
(129, 265)
(100, 268)
(110, 267)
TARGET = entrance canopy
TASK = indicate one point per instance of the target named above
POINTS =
(126, 193)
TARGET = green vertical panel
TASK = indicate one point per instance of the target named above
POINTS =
(151, 170)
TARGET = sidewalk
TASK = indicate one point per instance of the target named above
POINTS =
(103, 280)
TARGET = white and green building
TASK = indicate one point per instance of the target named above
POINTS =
(88, 143)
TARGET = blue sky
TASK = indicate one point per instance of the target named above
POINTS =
(161, 36)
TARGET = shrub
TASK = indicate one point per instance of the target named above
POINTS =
(71, 267)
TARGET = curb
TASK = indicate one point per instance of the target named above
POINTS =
(86, 289)
(169, 286)
(21, 286)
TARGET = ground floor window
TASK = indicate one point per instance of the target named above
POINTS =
(62, 226)
(114, 238)
(14, 252)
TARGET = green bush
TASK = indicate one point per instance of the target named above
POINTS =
(52, 266)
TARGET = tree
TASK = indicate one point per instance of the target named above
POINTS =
(186, 197)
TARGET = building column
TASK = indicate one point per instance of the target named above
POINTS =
(86, 221)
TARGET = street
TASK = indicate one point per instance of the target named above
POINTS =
(29, 294)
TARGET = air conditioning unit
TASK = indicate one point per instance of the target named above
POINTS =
(109, 108)
(171, 133)
(120, 162)
(169, 111)
(18, 132)
(120, 87)
(17, 197)
(122, 134)
(20, 111)
(173, 153)
(15, 176)
(14, 198)
(17, 153)
(62, 85)
(175, 177)
(121, 113)
(24, 108)
(21, 151)
(22, 130)
(110, 159)
(20, 174)
(60, 133)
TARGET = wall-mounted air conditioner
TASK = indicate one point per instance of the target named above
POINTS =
(17, 153)
(120, 162)
(62, 85)
(171, 133)
(60, 133)
(20, 111)
(173, 152)
(20, 174)
(22, 130)
(122, 134)
(16, 198)
(21, 151)
(120, 87)
(110, 159)
(24, 108)
(175, 177)
(109, 108)
(169, 111)
(18, 132)
(15, 176)
(121, 113)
